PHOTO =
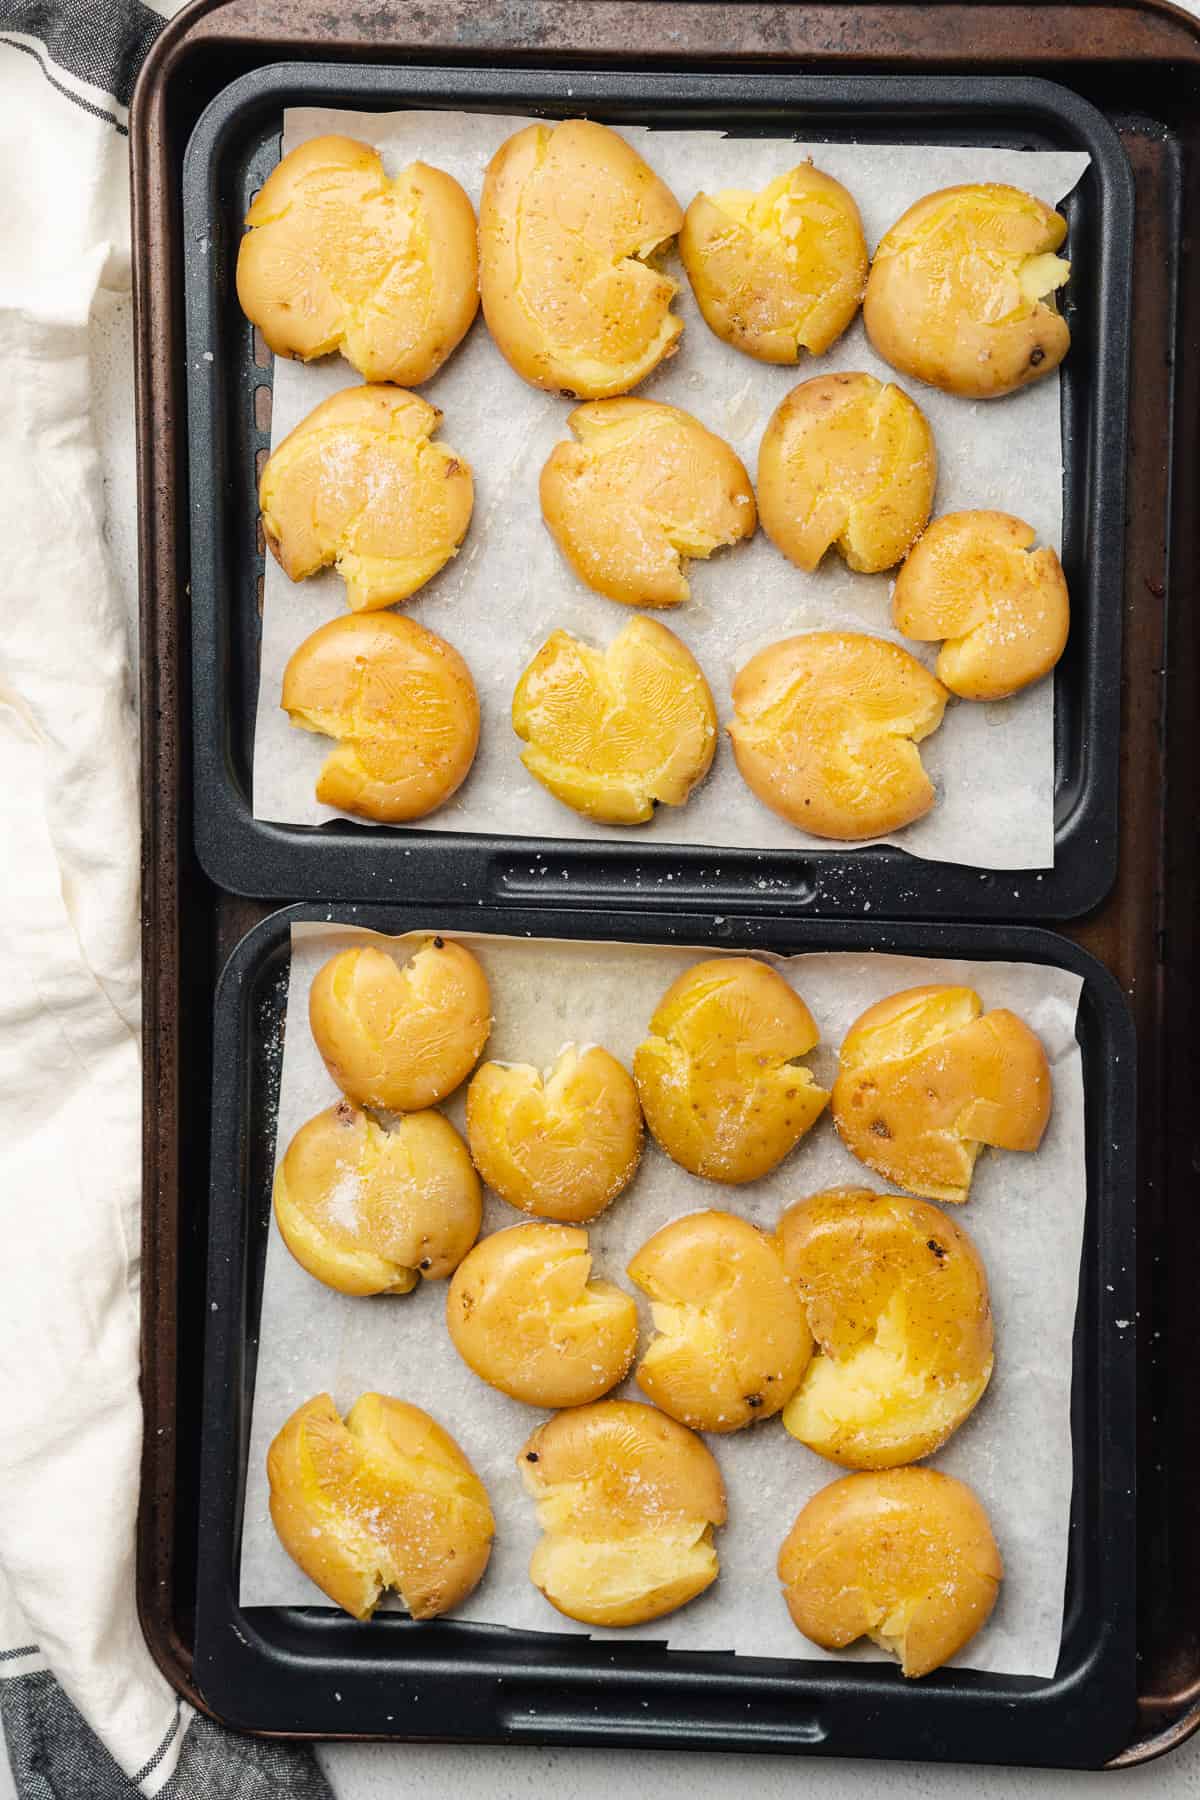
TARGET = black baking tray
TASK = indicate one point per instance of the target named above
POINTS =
(313, 1671)
(231, 150)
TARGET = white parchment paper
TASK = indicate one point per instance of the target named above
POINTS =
(1025, 1214)
(992, 765)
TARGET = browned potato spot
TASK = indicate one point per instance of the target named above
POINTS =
(927, 1078)
(627, 1500)
(906, 1558)
(386, 1500)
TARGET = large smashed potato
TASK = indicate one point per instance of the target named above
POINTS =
(627, 1501)
(906, 1558)
(896, 1296)
(961, 291)
(719, 1076)
(360, 484)
(732, 1341)
(386, 1500)
(569, 218)
(614, 733)
(337, 257)
(927, 1078)
(777, 272)
(523, 1312)
(644, 488)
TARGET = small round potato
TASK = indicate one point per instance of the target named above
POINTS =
(613, 733)
(337, 257)
(961, 291)
(400, 1037)
(906, 1558)
(645, 487)
(627, 1501)
(846, 461)
(359, 483)
(719, 1077)
(777, 272)
(561, 1145)
(569, 217)
(897, 1298)
(926, 1078)
(1001, 607)
(825, 731)
(402, 705)
(523, 1314)
(386, 1500)
(733, 1341)
(371, 1211)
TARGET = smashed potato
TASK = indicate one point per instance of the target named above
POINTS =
(627, 1501)
(613, 733)
(927, 1078)
(360, 484)
(961, 291)
(896, 1296)
(719, 1077)
(732, 1342)
(644, 488)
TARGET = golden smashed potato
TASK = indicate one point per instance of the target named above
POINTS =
(719, 1077)
(402, 705)
(780, 271)
(386, 1500)
(645, 487)
(523, 1312)
(961, 291)
(905, 1557)
(559, 1145)
(896, 1296)
(613, 733)
(847, 462)
(627, 1501)
(371, 1211)
(732, 1341)
(400, 1037)
(569, 218)
(1002, 607)
(360, 484)
(825, 731)
(337, 257)
(926, 1078)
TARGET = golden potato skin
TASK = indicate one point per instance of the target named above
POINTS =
(613, 733)
(337, 257)
(847, 462)
(717, 1076)
(559, 1146)
(369, 1211)
(733, 1343)
(905, 1557)
(400, 1038)
(645, 487)
(956, 291)
(360, 484)
(524, 1315)
(568, 215)
(896, 1296)
(386, 1500)
(402, 705)
(627, 1500)
(780, 271)
(926, 1078)
(1002, 608)
(825, 731)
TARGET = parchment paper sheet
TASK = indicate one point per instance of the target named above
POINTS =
(1025, 1214)
(993, 765)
